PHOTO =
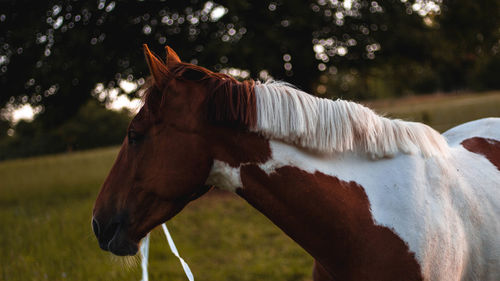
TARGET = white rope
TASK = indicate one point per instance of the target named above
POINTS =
(145, 255)
(185, 266)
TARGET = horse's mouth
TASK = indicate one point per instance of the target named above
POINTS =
(120, 245)
(115, 240)
(124, 249)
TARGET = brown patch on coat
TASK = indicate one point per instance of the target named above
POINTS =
(489, 148)
(330, 219)
(234, 146)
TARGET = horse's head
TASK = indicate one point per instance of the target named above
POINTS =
(165, 158)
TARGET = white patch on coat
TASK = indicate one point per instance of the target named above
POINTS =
(224, 176)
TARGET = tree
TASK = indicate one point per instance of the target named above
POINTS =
(55, 52)
(469, 33)
(92, 126)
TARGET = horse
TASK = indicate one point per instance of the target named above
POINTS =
(368, 197)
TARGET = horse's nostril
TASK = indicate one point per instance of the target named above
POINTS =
(110, 231)
(95, 227)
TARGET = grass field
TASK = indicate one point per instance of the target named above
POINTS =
(46, 203)
(441, 112)
(45, 212)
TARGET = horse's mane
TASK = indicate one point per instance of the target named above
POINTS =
(280, 111)
(232, 101)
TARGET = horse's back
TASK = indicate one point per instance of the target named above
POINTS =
(475, 153)
(481, 138)
(488, 128)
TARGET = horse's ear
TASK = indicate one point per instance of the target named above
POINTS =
(158, 69)
(172, 57)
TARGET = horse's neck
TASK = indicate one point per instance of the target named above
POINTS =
(329, 217)
(303, 206)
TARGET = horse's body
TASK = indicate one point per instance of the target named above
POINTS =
(368, 197)
(421, 219)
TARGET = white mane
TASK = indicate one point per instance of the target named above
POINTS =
(288, 114)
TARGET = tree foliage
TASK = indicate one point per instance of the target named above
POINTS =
(53, 53)
(92, 126)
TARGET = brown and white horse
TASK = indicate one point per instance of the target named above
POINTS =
(368, 197)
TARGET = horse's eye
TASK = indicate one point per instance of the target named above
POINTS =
(134, 137)
(192, 74)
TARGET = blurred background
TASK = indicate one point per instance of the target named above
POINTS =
(70, 80)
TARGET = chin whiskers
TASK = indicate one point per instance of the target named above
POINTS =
(127, 262)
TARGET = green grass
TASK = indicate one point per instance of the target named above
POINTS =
(46, 203)
(45, 212)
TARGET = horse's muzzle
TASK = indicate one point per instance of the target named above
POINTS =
(112, 237)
